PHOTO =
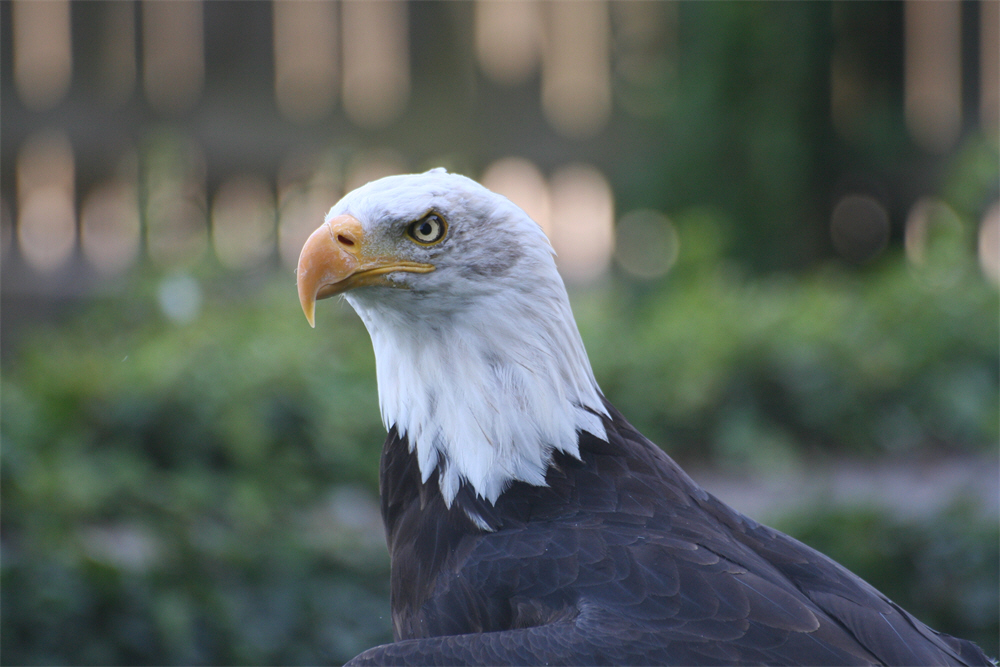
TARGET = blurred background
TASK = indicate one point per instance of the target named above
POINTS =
(778, 223)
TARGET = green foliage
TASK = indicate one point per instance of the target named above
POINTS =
(895, 360)
(193, 494)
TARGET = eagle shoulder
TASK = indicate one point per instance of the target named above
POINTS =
(621, 559)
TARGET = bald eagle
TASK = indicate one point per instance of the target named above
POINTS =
(527, 521)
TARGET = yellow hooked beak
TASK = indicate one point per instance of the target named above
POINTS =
(334, 260)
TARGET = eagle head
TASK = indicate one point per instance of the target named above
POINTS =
(480, 364)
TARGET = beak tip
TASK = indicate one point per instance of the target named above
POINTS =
(309, 309)
(308, 302)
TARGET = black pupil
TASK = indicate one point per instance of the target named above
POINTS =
(426, 229)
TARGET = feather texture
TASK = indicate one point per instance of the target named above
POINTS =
(480, 364)
(622, 559)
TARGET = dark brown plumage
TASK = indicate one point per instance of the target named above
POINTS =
(623, 559)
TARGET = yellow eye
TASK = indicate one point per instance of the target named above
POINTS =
(428, 230)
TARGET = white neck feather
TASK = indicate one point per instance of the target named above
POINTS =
(484, 394)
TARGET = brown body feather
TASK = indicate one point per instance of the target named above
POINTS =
(622, 559)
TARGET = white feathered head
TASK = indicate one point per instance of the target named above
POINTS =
(480, 363)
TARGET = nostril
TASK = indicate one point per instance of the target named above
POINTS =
(344, 240)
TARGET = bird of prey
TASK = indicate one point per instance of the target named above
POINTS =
(527, 521)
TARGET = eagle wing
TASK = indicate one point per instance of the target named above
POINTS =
(622, 559)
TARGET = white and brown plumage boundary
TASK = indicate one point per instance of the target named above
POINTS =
(527, 521)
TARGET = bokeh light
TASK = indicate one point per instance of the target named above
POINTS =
(583, 213)
(576, 76)
(46, 226)
(520, 181)
(43, 59)
(180, 298)
(173, 54)
(646, 244)
(933, 72)
(306, 49)
(6, 228)
(989, 66)
(508, 39)
(376, 83)
(859, 227)
(936, 243)
(243, 223)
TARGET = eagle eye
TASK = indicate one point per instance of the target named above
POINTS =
(428, 230)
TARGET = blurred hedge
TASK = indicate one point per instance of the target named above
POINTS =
(191, 494)
(890, 360)
(205, 492)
